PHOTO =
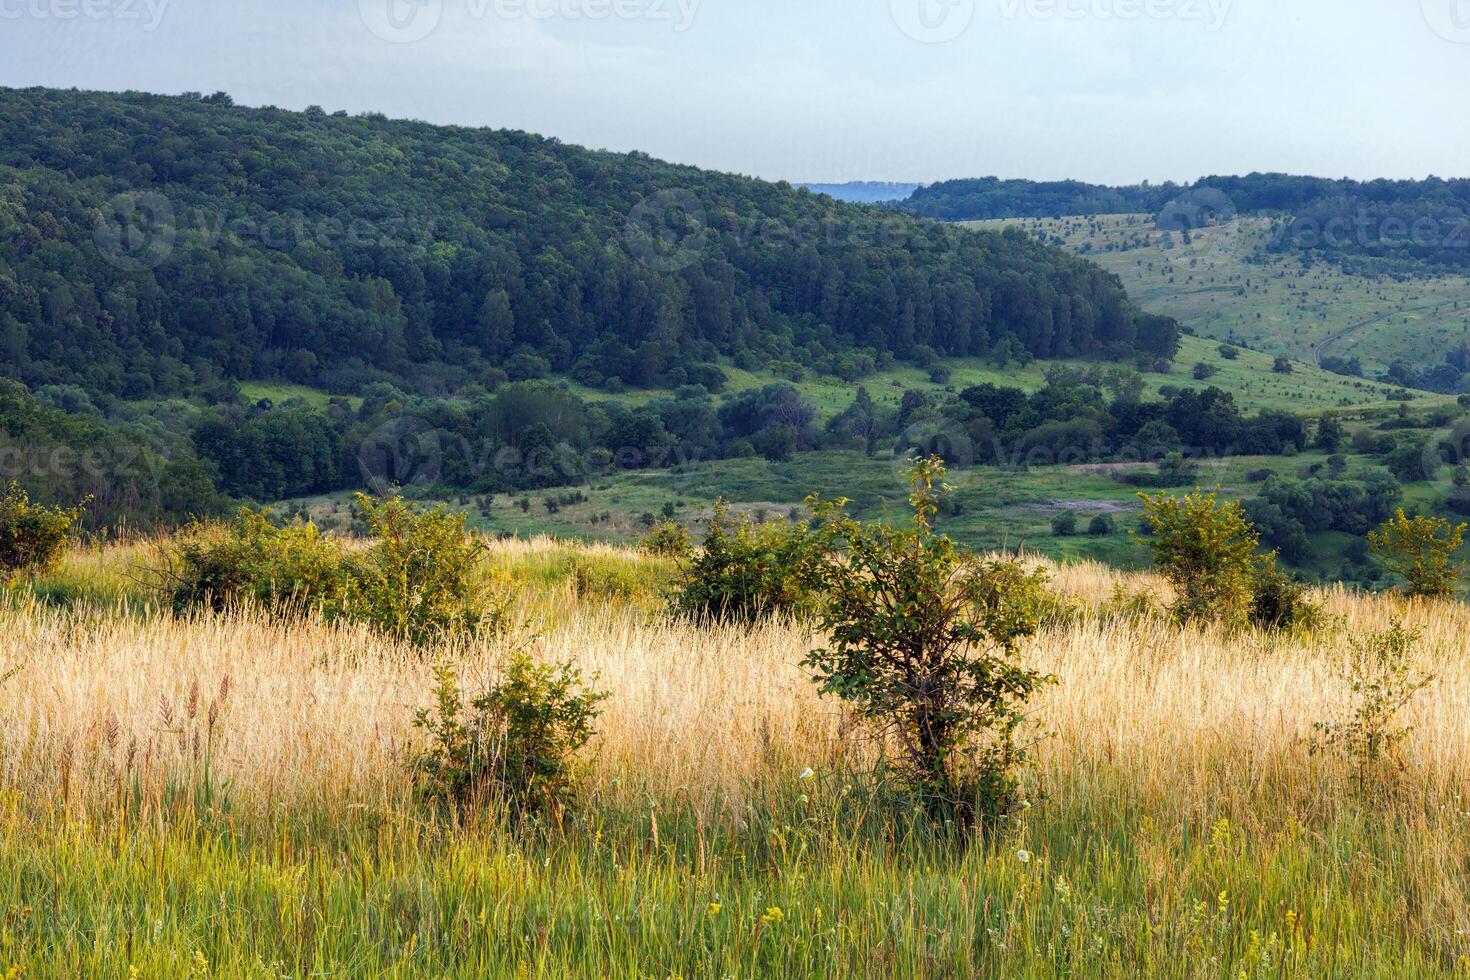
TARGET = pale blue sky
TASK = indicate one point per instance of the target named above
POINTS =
(1107, 90)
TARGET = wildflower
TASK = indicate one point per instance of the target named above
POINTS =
(1024, 856)
(806, 774)
(1025, 804)
(713, 908)
(773, 914)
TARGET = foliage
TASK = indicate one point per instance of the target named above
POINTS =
(1064, 524)
(1421, 551)
(515, 745)
(418, 582)
(1280, 602)
(282, 567)
(747, 570)
(1101, 526)
(32, 537)
(1381, 677)
(923, 641)
(667, 539)
(1203, 546)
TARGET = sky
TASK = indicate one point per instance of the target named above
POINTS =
(1113, 91)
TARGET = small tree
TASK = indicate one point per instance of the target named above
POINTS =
(32, 537)
(1064, 524)
(923, 639)
(1380, 674)
(419, 581)
(1204, 547)
(1100, 526)
(517, 744)
(667, 539)
(1420, 550)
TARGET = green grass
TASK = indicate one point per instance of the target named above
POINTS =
(278, 393)
(804, 885)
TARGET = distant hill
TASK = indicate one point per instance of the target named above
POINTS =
(1369, 227)
(864, 191)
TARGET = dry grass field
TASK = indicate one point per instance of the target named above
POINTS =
(226, 795)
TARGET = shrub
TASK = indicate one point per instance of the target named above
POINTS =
(1100, 526)
(418, 582)
(1382, 681)
(1278, 601)
(284, 568)
(32, 537)
(667, 539)
(1421, 551)
(1203, 371)
(1064, 525)
(1204, 548)
(747, 570)
(922, 640)
(515, 745)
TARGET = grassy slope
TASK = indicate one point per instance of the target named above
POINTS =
(1179, 828)
(1224, 285)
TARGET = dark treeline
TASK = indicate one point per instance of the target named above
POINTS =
(152, 246)
(1370, 227)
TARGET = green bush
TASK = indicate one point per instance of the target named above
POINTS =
(1101, 526)
(1279, 602)
(1064, 525)
(1205, 548)
(667, 539)
(747, 570)
(923, 642)
(32, 537)
(284, 568)
(1421, 551)
(419, 580)
(515, 745)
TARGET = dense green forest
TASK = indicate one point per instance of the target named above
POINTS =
(1370, 227)
(156, 252)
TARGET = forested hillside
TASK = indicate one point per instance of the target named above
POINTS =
(150, 245)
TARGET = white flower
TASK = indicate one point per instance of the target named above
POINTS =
(807, 774)
(1023, 856)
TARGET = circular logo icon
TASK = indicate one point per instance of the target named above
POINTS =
(401, 453)
(1199, 224)
(135, 231)
(942, 437)
(1450, 19)
(401, 21)
(932, 21)
(666, 231)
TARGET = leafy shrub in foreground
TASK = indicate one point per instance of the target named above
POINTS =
(747, 570)
(923, 641)
(667, 539)
(516, 744)
(1279, 602)
(32, 537)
